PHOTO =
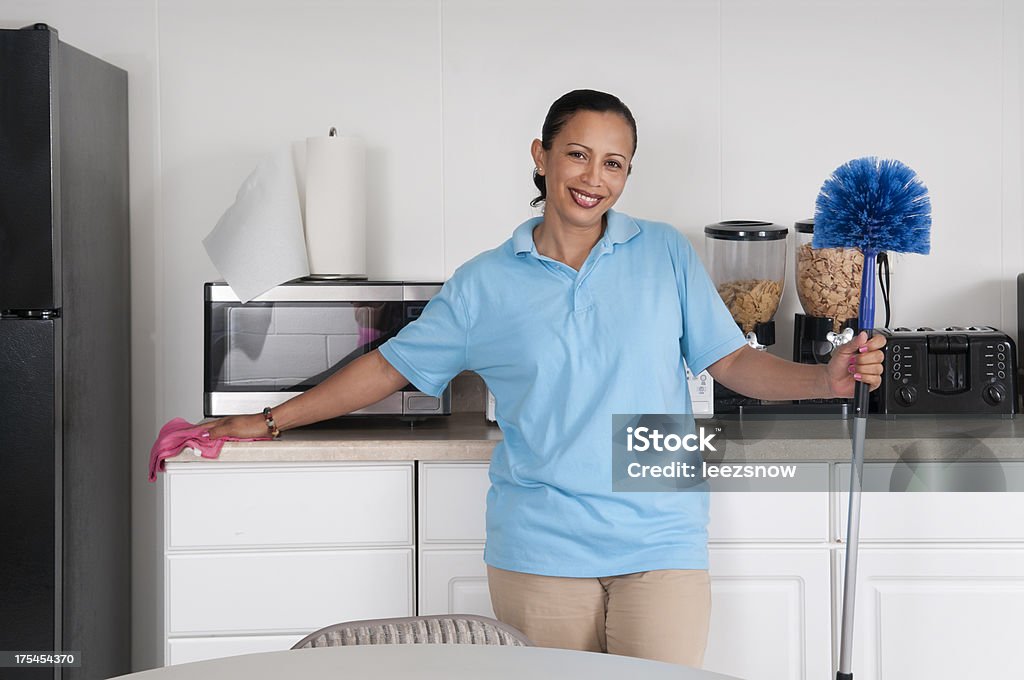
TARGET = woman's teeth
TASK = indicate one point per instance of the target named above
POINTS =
(584, 200)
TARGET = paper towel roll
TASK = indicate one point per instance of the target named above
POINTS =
(336, 207)
(257, 243)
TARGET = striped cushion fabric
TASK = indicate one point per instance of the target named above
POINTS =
(433, 630)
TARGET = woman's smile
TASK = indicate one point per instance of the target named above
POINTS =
(584, 199)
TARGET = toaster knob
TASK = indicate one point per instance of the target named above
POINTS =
(993, 394)
(906, 395)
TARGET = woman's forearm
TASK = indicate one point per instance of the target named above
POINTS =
(365, 381)
(765, 376)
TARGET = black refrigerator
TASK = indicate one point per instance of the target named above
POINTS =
(65, 567)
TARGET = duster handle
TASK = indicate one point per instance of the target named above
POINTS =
(866, 323)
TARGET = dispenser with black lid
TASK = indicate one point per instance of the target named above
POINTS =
(747, 263)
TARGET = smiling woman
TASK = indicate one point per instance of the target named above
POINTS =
(583, 313)
(582, 161)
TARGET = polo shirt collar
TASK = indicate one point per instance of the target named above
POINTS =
(620, 229)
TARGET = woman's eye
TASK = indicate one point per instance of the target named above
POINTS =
(576, 154)
(615, 164)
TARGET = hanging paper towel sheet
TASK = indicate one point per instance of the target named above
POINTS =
(334, 182)
(258, 243)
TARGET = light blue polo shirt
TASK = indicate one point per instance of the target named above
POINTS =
(562, 351)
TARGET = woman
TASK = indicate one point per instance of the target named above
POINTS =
(582, 313)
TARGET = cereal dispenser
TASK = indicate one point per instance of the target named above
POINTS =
(828, 285)
(747, 263)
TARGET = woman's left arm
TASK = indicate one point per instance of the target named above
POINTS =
(765, 376)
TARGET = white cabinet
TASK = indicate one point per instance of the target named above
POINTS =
(452, 507)
(454, 582)
(933, 516)
(772, 601)
(230, 506)
(256, 556)
(940, 613)
(259, 555)
(770, 567)
(770, 613)
(452, 503)
(774, 516)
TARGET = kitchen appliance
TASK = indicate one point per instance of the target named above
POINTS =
(296, 335)
(951, 370)
(747, 263)
(1020, 342)
(828, 286)
(65, 405)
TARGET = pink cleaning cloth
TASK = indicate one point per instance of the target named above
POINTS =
(179, 434)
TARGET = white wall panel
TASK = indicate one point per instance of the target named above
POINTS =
(504, 63)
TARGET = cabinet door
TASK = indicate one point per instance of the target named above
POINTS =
(454, 582)
(937, 613)
(453, 502)
(770, 613)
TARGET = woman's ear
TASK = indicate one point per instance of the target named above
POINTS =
(539, 155)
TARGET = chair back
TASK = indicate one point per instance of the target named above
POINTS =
(453, 629)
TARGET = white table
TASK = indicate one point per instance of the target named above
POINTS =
(426, 661)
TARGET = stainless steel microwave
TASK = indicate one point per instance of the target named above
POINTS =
(293, 337)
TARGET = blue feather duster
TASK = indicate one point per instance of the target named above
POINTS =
(873, 204)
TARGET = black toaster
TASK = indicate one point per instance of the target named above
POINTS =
(956, 369)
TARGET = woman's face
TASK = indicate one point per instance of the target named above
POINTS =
(586, 167)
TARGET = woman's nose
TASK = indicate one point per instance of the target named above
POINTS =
(592, 173)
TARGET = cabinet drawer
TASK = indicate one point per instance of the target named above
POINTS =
(187, 650)
(453, 502)
(245, 505)
(774, 515)
(285, 592)
(898, 515)
(454, 582)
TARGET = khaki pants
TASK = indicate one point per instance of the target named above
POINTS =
(661, 615)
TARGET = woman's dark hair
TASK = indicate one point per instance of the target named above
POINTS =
(564, 108)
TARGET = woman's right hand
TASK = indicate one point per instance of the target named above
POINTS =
(243, 427)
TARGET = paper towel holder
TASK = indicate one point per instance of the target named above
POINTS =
(333, 132)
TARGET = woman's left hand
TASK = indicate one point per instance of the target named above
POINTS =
(859, 360)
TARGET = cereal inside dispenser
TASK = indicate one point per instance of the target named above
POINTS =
(827, 279)
(828, 285)
(747, 263)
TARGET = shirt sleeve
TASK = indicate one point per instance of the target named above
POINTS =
(431, 350)
(709, 332)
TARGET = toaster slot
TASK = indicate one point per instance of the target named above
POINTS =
(948, 364)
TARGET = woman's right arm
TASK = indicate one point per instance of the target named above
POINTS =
(365, 381)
